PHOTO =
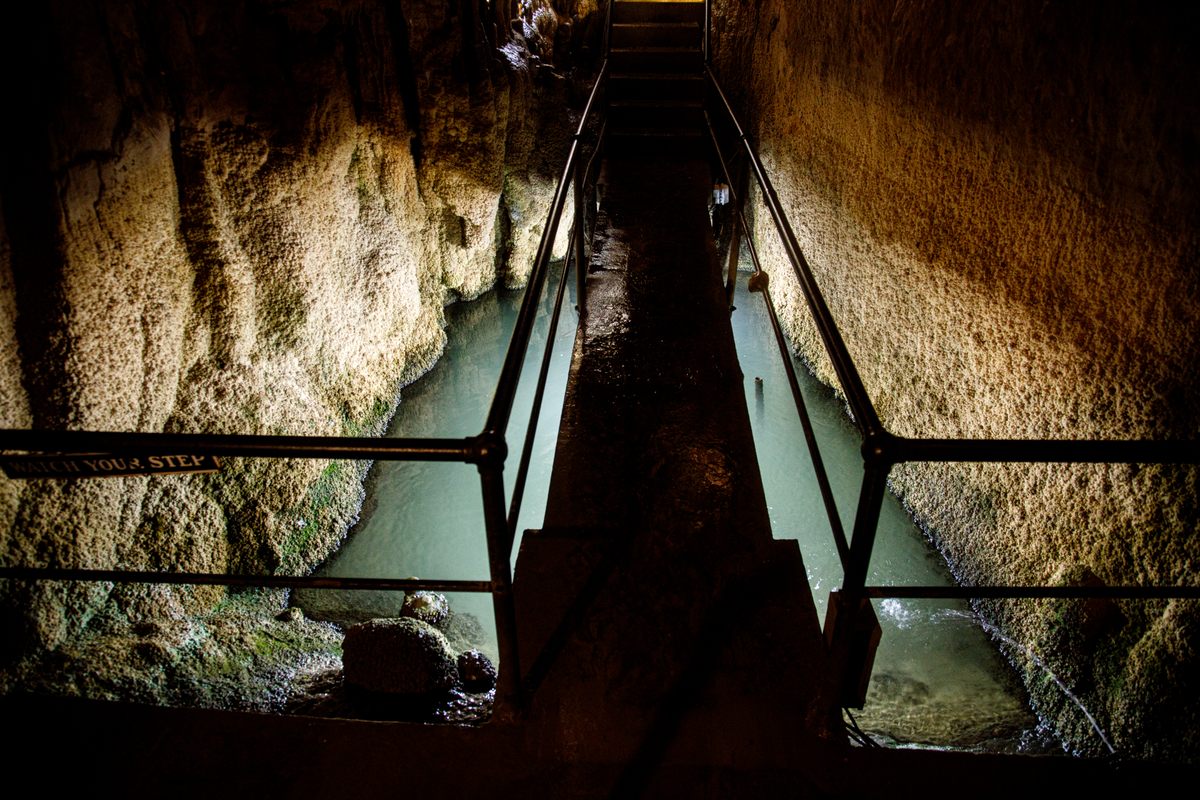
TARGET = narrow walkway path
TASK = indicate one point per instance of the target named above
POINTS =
(679, 653)
(678, 643)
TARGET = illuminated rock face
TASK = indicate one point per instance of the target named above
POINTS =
(241, 218)
(999, 203)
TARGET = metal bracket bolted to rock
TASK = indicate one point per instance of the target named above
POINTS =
(402, 656)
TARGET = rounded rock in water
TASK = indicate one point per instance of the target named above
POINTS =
(476, 671)
(398, 657)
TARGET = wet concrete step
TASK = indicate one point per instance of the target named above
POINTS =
(661, 34)
(643, 86)
(562, 572)
(670, 144)
(675, 114)
(657, 59)
(628, 12)
(696, 643)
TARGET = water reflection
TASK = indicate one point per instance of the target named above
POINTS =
(425, 519)
(937, 679)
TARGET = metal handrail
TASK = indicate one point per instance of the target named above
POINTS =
(707, 32)
(759, 283)
(576, 258)
(859, 401)
(488, 451)
(1031, 592)
(1080, 451)
(499, 519)
(510, 373)
(882, 449)
(885, 448)
(247, 581)
(608, 27)
(467, 450)
(514, 508)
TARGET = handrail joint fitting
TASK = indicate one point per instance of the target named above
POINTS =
(881, 449)
(488, 449)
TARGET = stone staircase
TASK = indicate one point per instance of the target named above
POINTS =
(656, 87)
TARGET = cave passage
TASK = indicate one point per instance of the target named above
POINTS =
(937, 681)
(641, 457)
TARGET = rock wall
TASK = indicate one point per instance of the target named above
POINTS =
(240, 218)
(999, 202)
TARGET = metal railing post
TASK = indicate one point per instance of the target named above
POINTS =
(851, 628)
(707, 31)
(499, 544)
(866, 521)
(580, 241)
(735, 243)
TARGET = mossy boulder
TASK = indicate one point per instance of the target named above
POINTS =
(403, 656)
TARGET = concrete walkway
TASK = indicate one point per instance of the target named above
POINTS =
(672, 644)
(675, 635)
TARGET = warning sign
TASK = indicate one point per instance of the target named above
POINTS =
(105, 466)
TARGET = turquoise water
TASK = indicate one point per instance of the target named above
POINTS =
(426, 519)
(937, 681)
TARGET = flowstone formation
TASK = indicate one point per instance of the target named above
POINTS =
(999, 203)
(238, 218)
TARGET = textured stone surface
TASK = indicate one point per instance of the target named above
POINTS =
(428, 607)
(476, 671)
(243, 653)
(999, 204)
(398, 656)
(240, 218)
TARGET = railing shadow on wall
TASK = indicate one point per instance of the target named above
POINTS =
(488, 450)
(851, 629)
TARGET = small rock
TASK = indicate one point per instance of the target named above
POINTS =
(290, 614)
(462, 630)
(476, 671)
(428, 607)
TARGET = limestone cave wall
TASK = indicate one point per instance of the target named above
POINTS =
(999, 201)
(240, 218)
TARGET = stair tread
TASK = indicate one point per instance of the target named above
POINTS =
(671, 103)
(689, 132)
(688, 49)
(680, 25)
(654, 76)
